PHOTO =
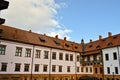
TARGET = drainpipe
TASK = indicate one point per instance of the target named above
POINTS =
(32, 62)
(118, 55)
(76, 65)
(50, 64)
(102, 64)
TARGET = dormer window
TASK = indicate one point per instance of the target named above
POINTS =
(67, 45)
(76, 47)
(110, 44)
(98, 46)
(90, 46)
(114, 37)
(57, 43)
(42, 40)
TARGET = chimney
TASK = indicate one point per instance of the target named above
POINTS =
(90, 40)
(100, 37)
(30, 31)
(65, 38)
(109, 34)
(56, 36)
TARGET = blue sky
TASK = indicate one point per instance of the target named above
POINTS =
(90, 18)
(74, 19)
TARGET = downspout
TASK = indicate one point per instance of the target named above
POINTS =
(50, 64)
(118, 55)
(102, 63)
(75, 66)
(32, 62)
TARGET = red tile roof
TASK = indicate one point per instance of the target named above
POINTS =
(29, 37)
(18, 35)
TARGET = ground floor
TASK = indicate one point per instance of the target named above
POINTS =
(57, 77)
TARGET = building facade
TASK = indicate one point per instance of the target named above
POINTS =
(25, 55)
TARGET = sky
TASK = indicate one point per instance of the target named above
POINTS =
(74, 19)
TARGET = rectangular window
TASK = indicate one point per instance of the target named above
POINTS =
(71, 57)
(94, 57)
(67, 57)
(106, 57)
(108, 70)
(60, 68)
(115, 56)
(53, 68)
(78, 58)
(46, 54)
(18, 51)
(61, 56)
(17, 67)
(86, 69)
(116, 70)
(82, 69)
(78, 69)
(96, 70)
(45, 68)
(28, 53)
(101, 71)
(90, 69)
(3, 66)
(88, 58)
(36, 68)
(26, 67)
(2, 49)
(37, 54)
(68, 68)
(54, 55)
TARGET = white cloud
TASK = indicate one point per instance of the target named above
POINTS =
(37, 15)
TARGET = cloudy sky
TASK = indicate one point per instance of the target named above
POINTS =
(74, 19)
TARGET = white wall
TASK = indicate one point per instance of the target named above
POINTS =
(111, 62)
(11, 59)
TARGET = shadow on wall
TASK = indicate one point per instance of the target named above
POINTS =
(88, 78)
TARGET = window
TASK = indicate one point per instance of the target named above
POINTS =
(101, 71)
(96, 71)
(53, 68)
(2, 49)
(42, 39)
(45, 68)
(108, 70)
(86, 69)
(26, 67)
(36, 67)
(82, 69)
(106, 57)
(115, 56)
(88, 58)
(46, 54)
(78, 69)
(37, 55)
(71, 57)
(17, 67)
(95, 57)
(61, 56)
(54, 55)
(18, 51)
(66, 57)
(116, 70)
(28, 53)
(3, 66)
(57, 43)
(78, 58)
(90, 69)
(60, 68)
(68, 68)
